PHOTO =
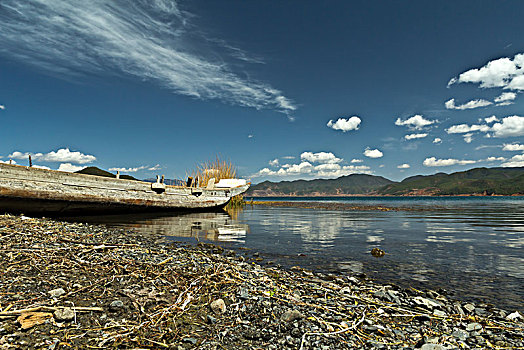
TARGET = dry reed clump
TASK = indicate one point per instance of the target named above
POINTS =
(218, 169)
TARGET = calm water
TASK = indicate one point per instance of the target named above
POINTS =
(469, 245)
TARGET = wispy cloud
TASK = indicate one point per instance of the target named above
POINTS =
(151, 40)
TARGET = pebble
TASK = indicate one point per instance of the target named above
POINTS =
(460, 334)
(268, 307)
(469, 307)
(218, 306)
(56, 293)
(116, 305)
(473, 327)
(65, 314)
(433, 347)
(291, 315)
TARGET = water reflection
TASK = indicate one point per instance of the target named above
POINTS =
(471, 247)
(212, 226)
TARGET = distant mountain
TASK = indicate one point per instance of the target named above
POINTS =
(487, 181)
(93, 170)
(345, 185)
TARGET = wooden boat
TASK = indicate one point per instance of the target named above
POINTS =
(32, 190)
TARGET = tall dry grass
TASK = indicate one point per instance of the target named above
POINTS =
(218, 169)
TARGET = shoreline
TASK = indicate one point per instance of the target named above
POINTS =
(90, 286)
(332, 206)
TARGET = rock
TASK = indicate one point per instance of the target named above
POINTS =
(439, 313)
(345, 290)
(460, 334)
(65, 314)
(218, 306)
(473, 327)
(291, 315)
(514, 316)
(432, 347)
(469, 307)
(211, 320)
(377, 253)
(353, 280)
(189, 340)
(116, 305)
(56, 293)
(428, 303)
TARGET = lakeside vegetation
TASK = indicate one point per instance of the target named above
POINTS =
(478, 181)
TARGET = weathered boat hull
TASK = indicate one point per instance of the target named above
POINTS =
(41, 191)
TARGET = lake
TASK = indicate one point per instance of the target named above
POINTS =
(469, 246)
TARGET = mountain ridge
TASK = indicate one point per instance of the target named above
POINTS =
(477, 181)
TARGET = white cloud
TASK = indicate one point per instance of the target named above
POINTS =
(503, 72)
(320, 157)
(468, 105)
(415, 136)
(155, 167)
(491, 119)
(250, 136)
(151, 40)
(8, 161)
(288, 157)
(404, 166)
(373, 153)
(2, 107)
(517, 83)
(314, 165)
(306, 169)
(494, 159)
(356, 161)
(437, 140)
(506, 98)
(464, 128)
(274, 162)
(468, 137)
(416, 122)
(59, 156)
(128, 170)
(515, 161)
(345, 124)
(70, 168)
(513, 147)
(434, 162)
(509, 127)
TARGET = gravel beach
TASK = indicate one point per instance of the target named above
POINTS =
(70, 285)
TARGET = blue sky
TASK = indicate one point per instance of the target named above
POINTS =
(283, 89)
